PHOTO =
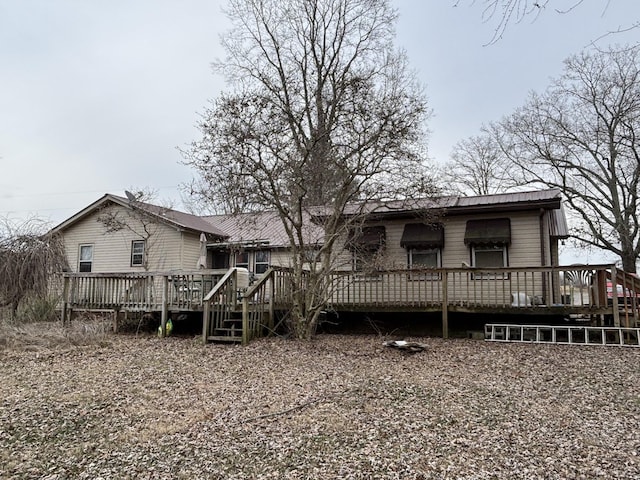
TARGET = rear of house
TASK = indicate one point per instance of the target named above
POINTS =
(485, 254)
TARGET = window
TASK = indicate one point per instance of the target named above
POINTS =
(261, 261)
(367, 247)
(311, 255)
(220, 260)
(483, 256)
(242, 260)
(137, 253)
(85, 260)
(489, 240)
(425, 258)
(489, 256)
(361, 262)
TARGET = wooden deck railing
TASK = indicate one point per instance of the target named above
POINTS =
(469, 287)
(576, 288)
(145, 291)
(625, 296)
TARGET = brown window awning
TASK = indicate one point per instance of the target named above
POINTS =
(367, 238)
(422, 235)
(494, 231)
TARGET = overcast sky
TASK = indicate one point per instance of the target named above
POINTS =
(96, 95)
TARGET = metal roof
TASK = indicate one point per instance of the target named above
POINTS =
(558, 223)
(267, 228)
(261, 228)
(178, 218)
(452, 205)
(169, 216)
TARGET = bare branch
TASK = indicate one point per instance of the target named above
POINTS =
(508, 12)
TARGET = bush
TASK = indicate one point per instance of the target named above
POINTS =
(38, 309)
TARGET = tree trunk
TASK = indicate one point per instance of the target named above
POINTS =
(628, 261)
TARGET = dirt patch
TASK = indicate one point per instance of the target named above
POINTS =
(338, 407)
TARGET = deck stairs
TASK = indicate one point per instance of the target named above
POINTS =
(236, 310)
(229, 328)
(564, 334)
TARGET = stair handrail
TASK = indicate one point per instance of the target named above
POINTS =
(219, 285)
(266, 276)
(251, 328)
(209, 307)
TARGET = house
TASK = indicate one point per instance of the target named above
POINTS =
(489, 254)
(115, 234)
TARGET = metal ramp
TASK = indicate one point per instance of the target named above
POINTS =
(564, 334)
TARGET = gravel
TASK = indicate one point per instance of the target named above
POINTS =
(339, 407)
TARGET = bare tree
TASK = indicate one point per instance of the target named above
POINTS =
(581, 136)
(29, 258)
(323, 113)
(136, 220)
(478, 167)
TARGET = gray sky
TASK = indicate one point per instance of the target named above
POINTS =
(95, 95)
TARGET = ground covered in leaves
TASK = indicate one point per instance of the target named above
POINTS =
(339, 407)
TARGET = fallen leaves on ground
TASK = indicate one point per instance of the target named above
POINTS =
(339, 407)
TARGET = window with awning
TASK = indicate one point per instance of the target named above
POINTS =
(422, 236)
(493, 231)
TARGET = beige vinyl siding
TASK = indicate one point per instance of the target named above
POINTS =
(524, 250)
(280, 258)
(190, 251)
(112, 251)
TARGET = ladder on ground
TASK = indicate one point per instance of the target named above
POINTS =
(563, 334)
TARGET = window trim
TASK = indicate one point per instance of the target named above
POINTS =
(490, 247)
(367, 242)
(81, 261)
(368, 271)
(256, 262)
(243, 264)
(425, 275)
(138, 254)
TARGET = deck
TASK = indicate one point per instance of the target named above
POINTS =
(233, 308)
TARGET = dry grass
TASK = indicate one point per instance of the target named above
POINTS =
(337, 407)
(44, 336)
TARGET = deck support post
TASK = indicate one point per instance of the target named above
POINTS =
(614, 296)
(114, 319)
(245, 321)
(445, 307)
(65, 299)
(165, 305)
(205, 321)
(271, 304)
